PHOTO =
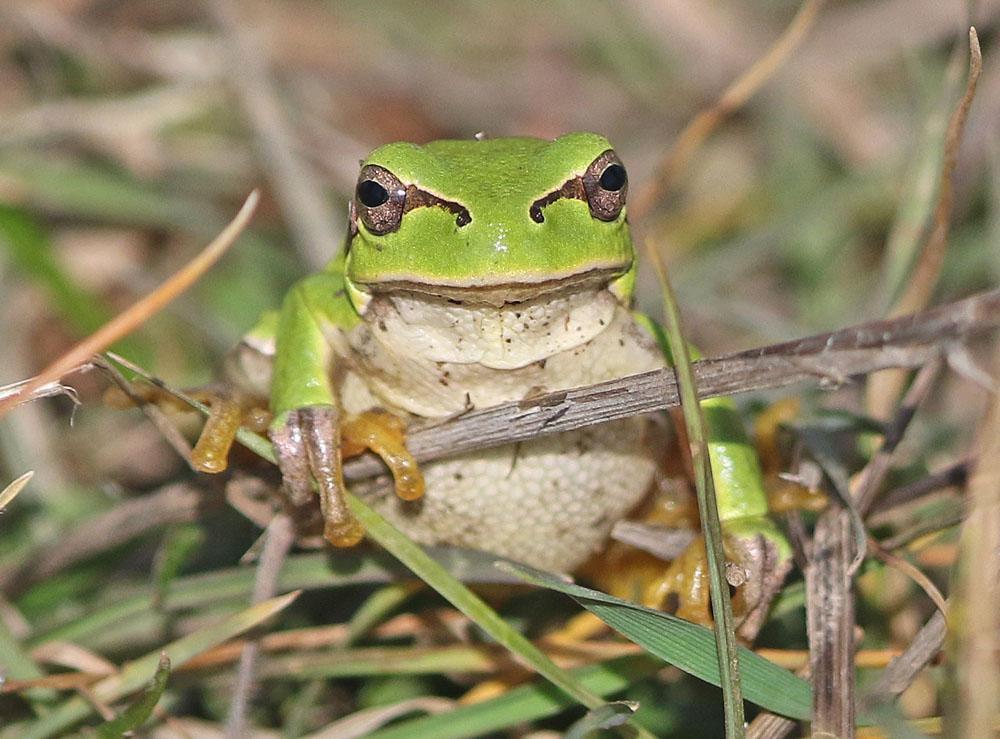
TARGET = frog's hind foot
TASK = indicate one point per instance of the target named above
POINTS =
(756, 567)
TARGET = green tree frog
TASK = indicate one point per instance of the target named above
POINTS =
(478, 272)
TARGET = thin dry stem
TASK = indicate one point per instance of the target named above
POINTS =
(978, 619)
(14, 488)
(280, 537)
(902, 670)
(869, 481)
(140, 312)
(898, 563)
(299, 191)
(883, 391)
(675, 161)
(928, 266)
(954, 475)
(830, 624)
(156, 416)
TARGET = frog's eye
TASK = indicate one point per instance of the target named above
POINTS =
(379, 199)
(606, 184)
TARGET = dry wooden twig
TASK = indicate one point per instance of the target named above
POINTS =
(830, 358)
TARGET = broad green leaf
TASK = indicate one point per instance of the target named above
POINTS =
(687, 646)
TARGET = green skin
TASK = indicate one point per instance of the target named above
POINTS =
(502, 252)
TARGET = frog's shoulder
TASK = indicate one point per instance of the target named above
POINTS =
(326, 293)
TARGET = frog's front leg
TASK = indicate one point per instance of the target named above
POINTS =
(384, 434)
(309, 434)
(305, 431)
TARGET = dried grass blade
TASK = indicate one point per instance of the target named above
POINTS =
(141, 311)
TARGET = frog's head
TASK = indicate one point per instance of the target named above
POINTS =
(489, 221)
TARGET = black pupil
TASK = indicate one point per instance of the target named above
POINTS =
(371, 194)
(613, 178)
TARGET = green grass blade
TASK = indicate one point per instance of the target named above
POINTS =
(687, 646)
(603, 718)
(522, 704)
(136, 714)
(31, 252)
(708, 510)
(137, 673)
(103, 194)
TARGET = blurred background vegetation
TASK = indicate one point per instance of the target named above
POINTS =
(130, 132)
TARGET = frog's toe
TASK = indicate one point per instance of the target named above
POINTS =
(288, 440)
(786, 496)
(756, 567)
(384, 434)
(307, 444)
(211, 453)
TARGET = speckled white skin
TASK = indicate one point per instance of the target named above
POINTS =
(550, 502)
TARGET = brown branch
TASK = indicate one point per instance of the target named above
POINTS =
(830, 359)
(830, 624)
(869, 482)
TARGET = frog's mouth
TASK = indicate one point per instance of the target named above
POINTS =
(500, 293)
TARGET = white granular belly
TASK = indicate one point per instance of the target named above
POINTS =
(549, 502)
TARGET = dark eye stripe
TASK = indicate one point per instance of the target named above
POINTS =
(417, 198)
(570, 189)
(381, 200)
(603, 187)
